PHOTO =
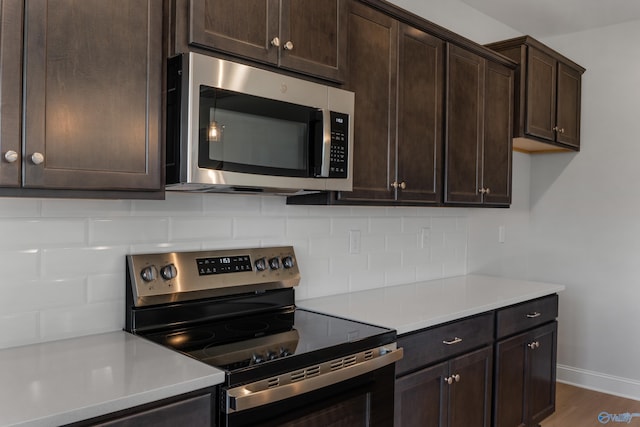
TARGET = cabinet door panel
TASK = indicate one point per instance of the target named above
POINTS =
(372, 76)
(420, 104)
(509, 409)
(244, 28)
(465, 116)
(470, 397)
(93, 94)
(315, 28)
(542, 380)
(541, 94)
(11, 90)
(498, 105)
(569, 83)
(420, 398)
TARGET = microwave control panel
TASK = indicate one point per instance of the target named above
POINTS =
(339, 156)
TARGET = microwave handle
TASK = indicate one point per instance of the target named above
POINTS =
(326, 143)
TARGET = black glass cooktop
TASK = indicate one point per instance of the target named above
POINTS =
(266, 343)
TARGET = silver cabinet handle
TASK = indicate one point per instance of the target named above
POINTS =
(275, 42)
(484, 191)
(11, 156)
(449, 380)
(401, 185)
(533, 345)
(456, 378)
(37, 158)
(455, 340)
(534, 315)
(288, 45)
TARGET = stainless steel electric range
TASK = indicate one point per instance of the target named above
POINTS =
(285, 366)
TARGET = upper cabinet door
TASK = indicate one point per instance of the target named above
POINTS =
(541, 94)
(420, 105)
(568, 106)
(10, 92)
(248, 28)
(93, 85)
(497, 145)
(465, 121)
(311, 37)
(372, 76)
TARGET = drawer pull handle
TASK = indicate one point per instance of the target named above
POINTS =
(456, 340)
(534, 315)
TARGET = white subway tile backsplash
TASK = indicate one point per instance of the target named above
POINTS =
(42, 233)
(305, 227)
(23, 264)
(63, 261)
(106, 287)
(81, 320)
(19, 208)
(79, 262)
(258, 227)
(130, 230)
(201, 228)
(19, 328)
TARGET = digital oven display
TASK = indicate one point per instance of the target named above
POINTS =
(223, 264)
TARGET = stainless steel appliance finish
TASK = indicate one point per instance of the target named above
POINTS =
(204, 71)
(235, 309)
(179, 276)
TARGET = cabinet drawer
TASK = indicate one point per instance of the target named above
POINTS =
(527, 315)
(442, 342)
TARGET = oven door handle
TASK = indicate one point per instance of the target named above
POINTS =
(264, 392)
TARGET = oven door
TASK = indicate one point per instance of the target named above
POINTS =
(366, 400)
(361, 394)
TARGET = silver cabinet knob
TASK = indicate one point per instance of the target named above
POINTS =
(448, 380)
(37, 158)
(275, 42)
(11, 156)
(484, 191)
(533, 345)
(288, 45)
(402, 185)
(456, 378)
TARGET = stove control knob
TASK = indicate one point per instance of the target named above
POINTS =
(288, 262)
(168, 272)
(274, 263)
(271, 355)
(149, 273)
(256, 358)
(261, 264)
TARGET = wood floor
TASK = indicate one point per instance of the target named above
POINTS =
(579, 407)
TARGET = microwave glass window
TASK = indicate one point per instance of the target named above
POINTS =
(245, 133)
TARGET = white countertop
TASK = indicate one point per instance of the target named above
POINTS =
(408, 308)
(70, 380)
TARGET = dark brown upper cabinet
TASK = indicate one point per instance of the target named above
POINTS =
(11, 12)
(308, 36)
(92, 104)
(398, 111)
(478, 130)
(548, 86)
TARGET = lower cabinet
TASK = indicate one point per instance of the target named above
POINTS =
(453, 393)
(496, 369)
(526, 377)
(194, 410)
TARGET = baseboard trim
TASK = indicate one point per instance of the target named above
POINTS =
(618, 386)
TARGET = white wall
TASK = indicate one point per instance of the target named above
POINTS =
(63, 266)
(585, 216)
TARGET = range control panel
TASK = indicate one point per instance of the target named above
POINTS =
(174, 276)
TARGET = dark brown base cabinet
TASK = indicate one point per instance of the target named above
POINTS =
(494, 369)
(456, 393)
(195, 409)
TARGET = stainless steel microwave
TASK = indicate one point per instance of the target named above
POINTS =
(232, 127)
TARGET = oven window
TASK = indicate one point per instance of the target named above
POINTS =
(245, 133)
